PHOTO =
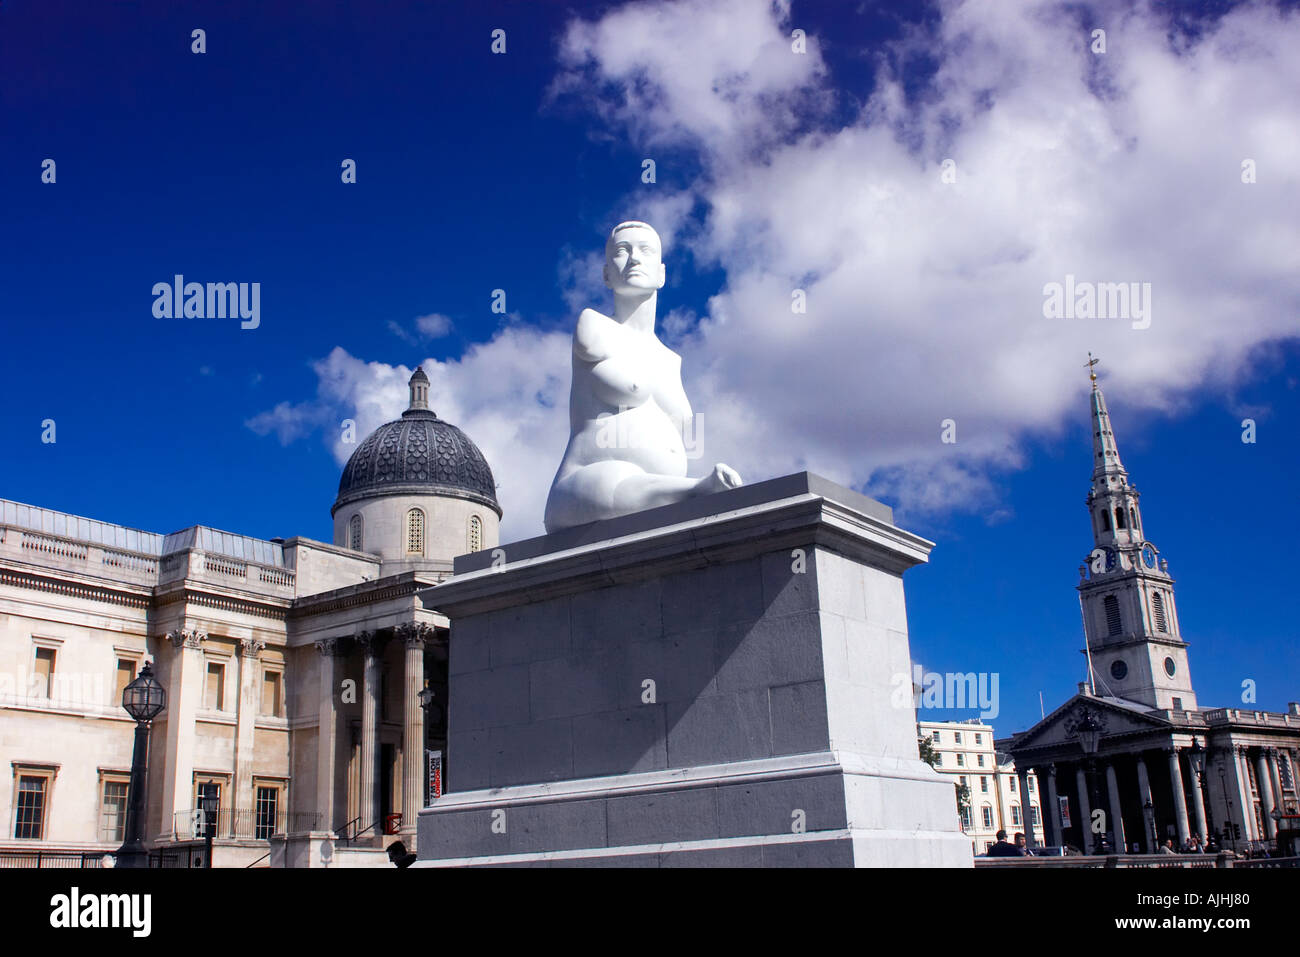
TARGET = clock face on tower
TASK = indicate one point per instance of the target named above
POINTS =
(1148, 556)
(1111, 559)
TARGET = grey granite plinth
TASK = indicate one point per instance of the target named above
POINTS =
(710, 683)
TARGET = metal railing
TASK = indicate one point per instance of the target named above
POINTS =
(1224, 859)
(352, 831)
(242, 824)
(76, 859)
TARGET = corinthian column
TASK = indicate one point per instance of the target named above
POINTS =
(369, 808)
(1265, 787)
(1085, 810)
(1116, 817)
(1053, 809)
(414, 636)
(326, 734)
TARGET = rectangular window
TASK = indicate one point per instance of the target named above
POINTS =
(216, 692)
(1031, 785)
(1178, 704)
(125, 675)
(1012, 779)
(984, 784)
(1033, 814)
(112, 815)
(29, 817)
(956, 736)
(268, 803)
(988, 816)
(938, 759)
(935, 735)
(980, 759)
(44, 671)
(961, 760)
(271, 690)
(1015, 815)
(979, 739)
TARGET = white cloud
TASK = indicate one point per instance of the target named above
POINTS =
(924, 298)
(433, 326)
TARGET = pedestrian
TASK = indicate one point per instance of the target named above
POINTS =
(1004, 849)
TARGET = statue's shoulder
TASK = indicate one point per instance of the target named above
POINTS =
(591, 335)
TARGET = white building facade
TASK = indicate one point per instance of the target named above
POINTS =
(293, 668)
(1001, 798)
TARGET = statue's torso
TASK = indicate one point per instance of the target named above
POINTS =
(627, 401)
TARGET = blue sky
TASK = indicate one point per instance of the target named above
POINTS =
(774, 170)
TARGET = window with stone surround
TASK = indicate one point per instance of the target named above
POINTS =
(43, 669)
(1158, 611)
(33, 787)
(475, 533)
(415, 532)
(354, 533)
(125, 675)
(272, 693)
(215, 692)
(1015, 815)
(113, 790)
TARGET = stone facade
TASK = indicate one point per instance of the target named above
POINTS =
(293, 670)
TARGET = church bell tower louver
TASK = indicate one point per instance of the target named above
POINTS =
(1127, 595)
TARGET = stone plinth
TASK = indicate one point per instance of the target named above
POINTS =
(714, 682)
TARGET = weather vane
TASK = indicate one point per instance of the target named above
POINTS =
(1092, 372)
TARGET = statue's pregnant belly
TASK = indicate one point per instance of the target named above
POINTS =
(644, 436)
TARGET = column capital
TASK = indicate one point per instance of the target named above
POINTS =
(181, 638)
(329, 647)
(1051, 770)
(251, 647)
(368, 642)
(1170, 750)
(414, 634)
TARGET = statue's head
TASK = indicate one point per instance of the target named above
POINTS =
(634, 259)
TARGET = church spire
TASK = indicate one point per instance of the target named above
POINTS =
(1105, 458)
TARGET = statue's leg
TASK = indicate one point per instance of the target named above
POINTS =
(609, 489)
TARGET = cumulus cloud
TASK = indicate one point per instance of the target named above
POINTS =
(924, 298)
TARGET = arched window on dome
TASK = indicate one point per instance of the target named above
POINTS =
(354, 533)
(415, 532)
(1119, 518)
(1105, 520)
(475, 533)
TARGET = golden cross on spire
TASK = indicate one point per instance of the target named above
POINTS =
(1092, 372)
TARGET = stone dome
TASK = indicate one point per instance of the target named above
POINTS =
(417, 454)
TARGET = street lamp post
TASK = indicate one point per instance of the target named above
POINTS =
(143, 699)
(1196, 755)
(1228, 827)
(1089, 731)
(427, 696)
(209, 805)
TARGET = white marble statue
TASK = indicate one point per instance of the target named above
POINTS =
(627, 407)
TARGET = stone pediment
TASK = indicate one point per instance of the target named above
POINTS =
(1115, 715)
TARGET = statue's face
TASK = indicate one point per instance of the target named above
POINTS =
(633, 262)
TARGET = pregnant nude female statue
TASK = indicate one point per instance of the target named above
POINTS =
(627, 407)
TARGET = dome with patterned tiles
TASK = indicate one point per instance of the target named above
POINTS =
(417, 454)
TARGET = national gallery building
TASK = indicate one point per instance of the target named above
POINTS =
(305, 681)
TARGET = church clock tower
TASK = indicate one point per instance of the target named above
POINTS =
(1130, 620)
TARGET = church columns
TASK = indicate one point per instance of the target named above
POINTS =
(1026, 807)
(369, 805)
(1265, 787)
(414, 636)
(1198, 807)
(1053, 809)
(1180, 801)
(1116, 819)
(1150, 837)
(1242, 768)
(1085, 810)
(1275, 776)
(326, 734)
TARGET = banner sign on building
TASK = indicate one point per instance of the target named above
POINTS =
(435, 775)
(1065, 811)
